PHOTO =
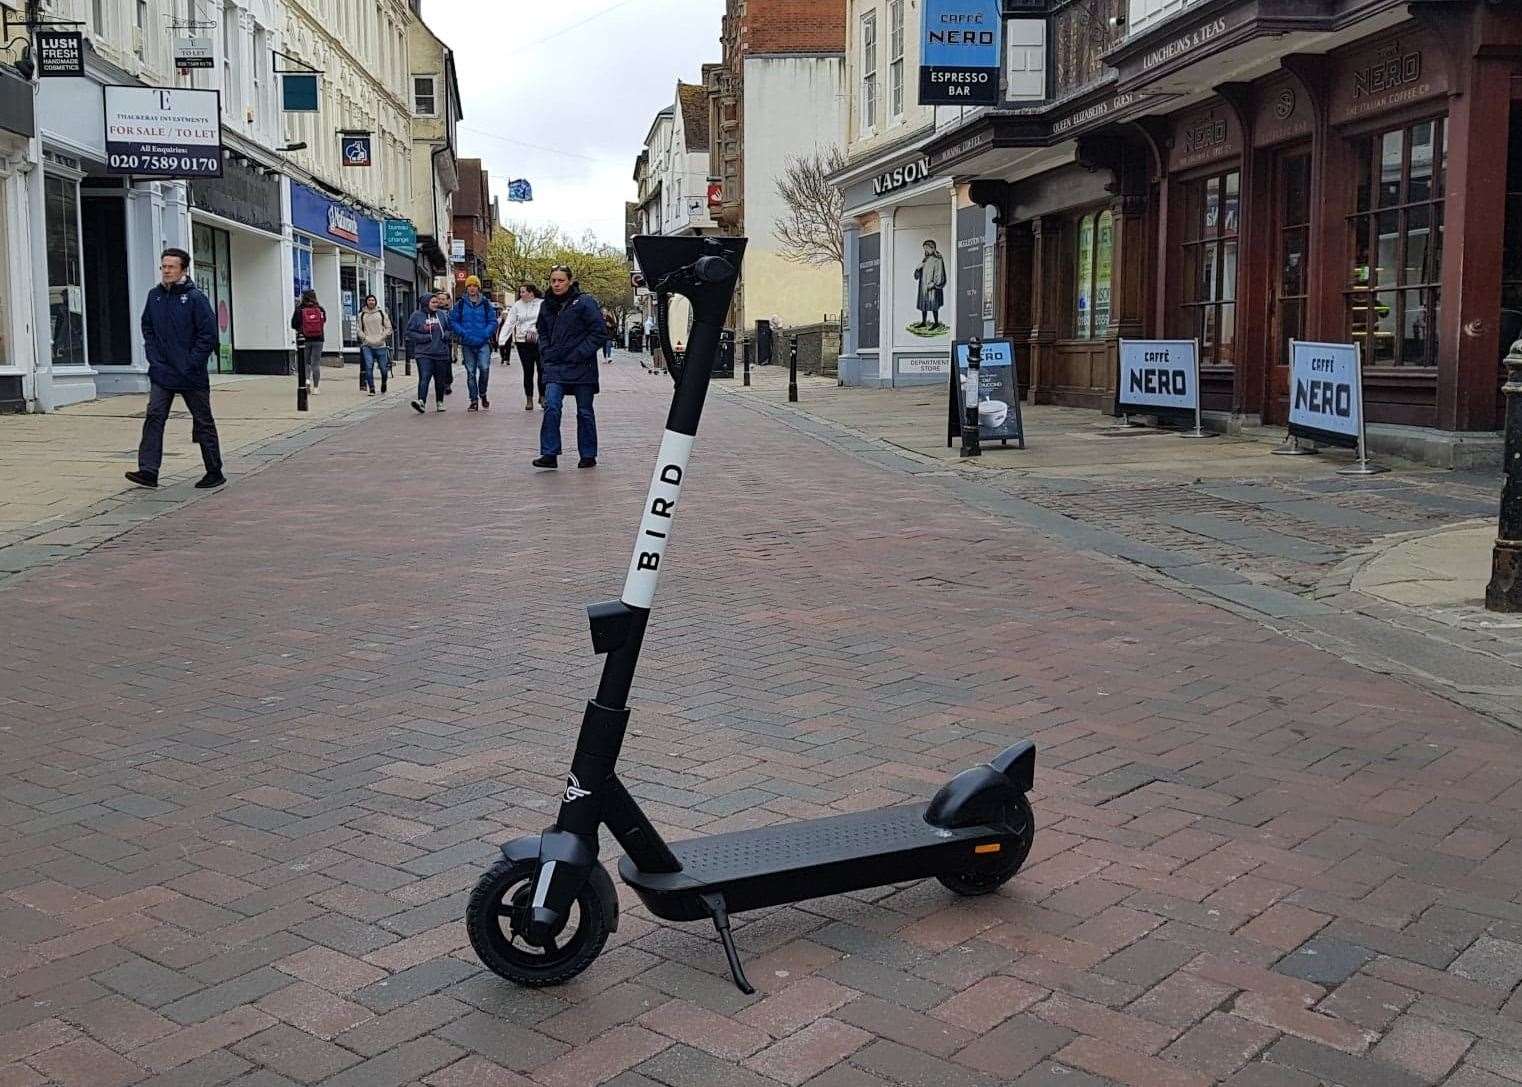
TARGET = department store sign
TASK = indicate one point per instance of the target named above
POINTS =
(901, 177)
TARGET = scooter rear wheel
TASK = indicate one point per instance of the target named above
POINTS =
(498, 910)
(991, 871)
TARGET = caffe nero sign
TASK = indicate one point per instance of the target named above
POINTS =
(960, 52)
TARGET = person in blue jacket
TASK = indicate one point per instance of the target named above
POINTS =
(571, 333)
(427, 336)
(179, 335)
(474, 323)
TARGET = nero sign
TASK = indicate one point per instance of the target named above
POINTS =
(998, 393)
(1158, 375)
(960, 54)
(1325, 392)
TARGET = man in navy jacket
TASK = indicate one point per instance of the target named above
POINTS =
(179, 335)
(571, 332)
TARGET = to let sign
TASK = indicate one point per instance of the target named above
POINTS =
(163, 132)
(960, 55)
(60, 53)
(1326, 392)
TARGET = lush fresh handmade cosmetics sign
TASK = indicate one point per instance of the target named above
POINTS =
(1158, 374)
(960, 53)
(1325, 392)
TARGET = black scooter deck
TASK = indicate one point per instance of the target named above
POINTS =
(796, 861)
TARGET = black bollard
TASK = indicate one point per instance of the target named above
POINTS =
(1504, 593)
(301, 374)
(792, 372)
(747, 369)
(972, 442)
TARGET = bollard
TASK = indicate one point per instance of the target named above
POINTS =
(747, 369)
(301, 374)
(972, 441)
(1504, 593)
(792, 372)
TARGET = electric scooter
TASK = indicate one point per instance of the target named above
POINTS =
(543, 912)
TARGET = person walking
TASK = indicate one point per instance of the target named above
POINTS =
(311, 322)
(374, 345)
(179, 335)
(474, 325)
(571, 331)
(612, 329)
(521, 326)
(427, 336)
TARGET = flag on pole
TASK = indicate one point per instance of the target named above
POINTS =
(519, 191)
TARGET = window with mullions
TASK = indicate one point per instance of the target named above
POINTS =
(1392, 295)
(869, 71)
(1092, 266)
(1511, 248)
(895, 58)
(1211, 210)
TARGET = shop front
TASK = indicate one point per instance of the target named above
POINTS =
(17, 342)
(336, 251)
(901, 263)
(236, 253)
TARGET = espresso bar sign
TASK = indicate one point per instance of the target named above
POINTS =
(960, 52)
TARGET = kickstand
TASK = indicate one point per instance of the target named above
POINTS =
(715, 904)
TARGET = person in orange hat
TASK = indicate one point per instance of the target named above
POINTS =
(474, 323)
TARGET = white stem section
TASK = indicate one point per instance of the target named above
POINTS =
(655, 525)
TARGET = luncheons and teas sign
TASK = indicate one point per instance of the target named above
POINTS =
(960, 52)
(315, 214)
(163, 132)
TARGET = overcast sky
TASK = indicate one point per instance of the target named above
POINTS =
(562, 93)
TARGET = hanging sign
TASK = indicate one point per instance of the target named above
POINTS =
(401, 236)
(1326, 392)
(1158, 375)
(354, 149)
(960, 54)
(60, 53)
(298, 92)
(998, 393)
(163, 132)
(193, 52)
(456, 250)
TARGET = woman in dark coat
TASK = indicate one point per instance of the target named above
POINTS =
(571, 332)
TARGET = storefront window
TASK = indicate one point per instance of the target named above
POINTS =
(1511, 253)
(1393, 296)
(66, 303)
(302, 265)
(1092, 267)
(1211, 209)
(1294, 246)
(213, 274)
(1083, 280)
(354, 283)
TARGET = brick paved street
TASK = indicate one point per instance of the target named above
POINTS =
(257, 749)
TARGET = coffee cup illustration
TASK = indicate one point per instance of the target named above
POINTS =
(992, 413)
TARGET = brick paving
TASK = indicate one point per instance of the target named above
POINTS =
(257, 750)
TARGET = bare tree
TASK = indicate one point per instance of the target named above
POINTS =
(810, 232)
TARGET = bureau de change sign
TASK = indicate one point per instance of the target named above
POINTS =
(960, 55)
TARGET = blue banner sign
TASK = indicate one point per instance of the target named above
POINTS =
(520, 191)
(328, 220)
(960, 54)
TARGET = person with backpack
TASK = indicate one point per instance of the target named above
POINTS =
(310, 322)
(473, 322)
(374, 345)
(571, 333)
(427, 336)
(179, 335)
(521, 326)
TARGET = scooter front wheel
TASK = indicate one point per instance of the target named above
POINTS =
(991, 871)
(497, 917)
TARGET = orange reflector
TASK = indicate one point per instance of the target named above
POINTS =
(991, 847)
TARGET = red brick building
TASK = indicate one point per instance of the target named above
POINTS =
(475, 220)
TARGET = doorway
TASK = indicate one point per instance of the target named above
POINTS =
(108, 305)
(1288, 283)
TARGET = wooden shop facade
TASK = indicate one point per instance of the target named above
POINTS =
(1248, 172)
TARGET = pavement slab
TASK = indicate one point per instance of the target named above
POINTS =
(257, 746)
